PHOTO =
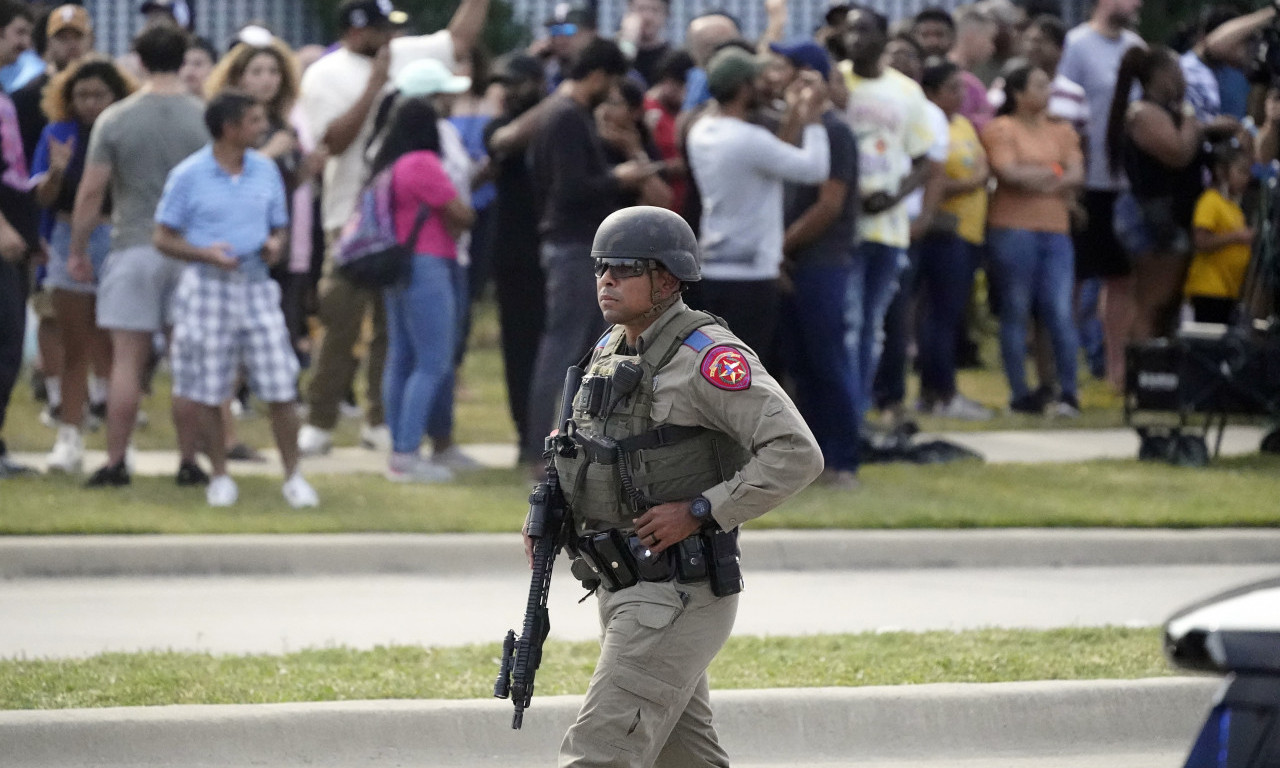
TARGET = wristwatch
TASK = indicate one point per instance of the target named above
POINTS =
(700, 508)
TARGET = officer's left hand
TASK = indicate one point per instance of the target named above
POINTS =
(665, 525)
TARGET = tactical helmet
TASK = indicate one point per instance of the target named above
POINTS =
(647, 232)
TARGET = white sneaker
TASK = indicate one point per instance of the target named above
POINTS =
(299, 493)
(51, 416)
(1064, 410)
(222, 492)
(313, 441)
(961, 407)
(414, 469)
(376, 438)
(68, 452)
(453, 458)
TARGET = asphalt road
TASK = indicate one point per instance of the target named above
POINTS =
(242, 614)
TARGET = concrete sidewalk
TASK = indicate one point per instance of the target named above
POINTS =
(1035, 723)
(60, 618)
(1039, 446)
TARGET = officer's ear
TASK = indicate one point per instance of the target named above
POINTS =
(666, 282)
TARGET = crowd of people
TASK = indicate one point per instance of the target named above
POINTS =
(847, 190)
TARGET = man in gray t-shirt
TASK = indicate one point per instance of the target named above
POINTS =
(1091, 58)
(140, 140)
(133, 146)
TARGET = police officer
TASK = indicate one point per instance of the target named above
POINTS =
(682, 437)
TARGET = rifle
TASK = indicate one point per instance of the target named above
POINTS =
(550, 526)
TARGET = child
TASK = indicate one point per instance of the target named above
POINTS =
(1222, 239)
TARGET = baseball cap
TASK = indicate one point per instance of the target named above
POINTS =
(428, 76)
(516, 68)
(358, 14)
(180, 10)
(69, 17)
(729, 69)
(805, 54)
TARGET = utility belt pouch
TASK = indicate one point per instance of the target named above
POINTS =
(608, 552)
(691, 560)
(599, 449)
(583, 572)
(649, 567)
(596, 391)
(723, 563)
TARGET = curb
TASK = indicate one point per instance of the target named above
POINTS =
(787, 726)
(462, 554)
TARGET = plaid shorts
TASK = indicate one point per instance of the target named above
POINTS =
(221, 322)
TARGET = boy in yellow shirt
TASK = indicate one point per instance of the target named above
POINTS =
(1222, 240)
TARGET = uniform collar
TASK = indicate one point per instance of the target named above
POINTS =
(650, 333)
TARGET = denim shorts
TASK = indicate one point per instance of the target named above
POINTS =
(60, 247)
(1148, 225)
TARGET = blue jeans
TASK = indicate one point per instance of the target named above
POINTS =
(422, 323)
(440, 417)
(1089, 326)
(873, 283)
(818, 361)
(1034, 268)
(945, 278)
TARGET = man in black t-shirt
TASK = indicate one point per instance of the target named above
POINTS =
(577, 190)
(517, 277)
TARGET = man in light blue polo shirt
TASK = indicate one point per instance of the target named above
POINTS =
(223, 211)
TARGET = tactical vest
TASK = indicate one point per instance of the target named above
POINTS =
(665, 462)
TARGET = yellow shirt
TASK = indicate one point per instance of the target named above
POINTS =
(969, 208)
(1218, 273)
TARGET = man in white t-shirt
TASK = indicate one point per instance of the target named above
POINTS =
(889, 116)
(340, 93)
(740, 168)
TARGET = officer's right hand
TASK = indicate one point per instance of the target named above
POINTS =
(528, 546)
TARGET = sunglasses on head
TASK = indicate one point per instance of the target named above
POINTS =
(621, 269)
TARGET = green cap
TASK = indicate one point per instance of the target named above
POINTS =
(729, 69)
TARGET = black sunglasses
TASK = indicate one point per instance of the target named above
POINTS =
(621, 269)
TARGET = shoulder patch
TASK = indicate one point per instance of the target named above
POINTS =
(698, 341)
(726, 368)
(604, 340)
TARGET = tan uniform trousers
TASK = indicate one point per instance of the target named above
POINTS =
(343, 306)
(649, 703)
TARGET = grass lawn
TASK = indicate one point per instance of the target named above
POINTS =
(960, 495)
(149, 679)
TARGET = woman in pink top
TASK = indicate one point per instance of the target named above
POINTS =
(421, 314)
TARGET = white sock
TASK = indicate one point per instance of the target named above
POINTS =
(97, 389)
(53, 385)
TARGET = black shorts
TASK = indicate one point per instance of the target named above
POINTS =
(1098, 252)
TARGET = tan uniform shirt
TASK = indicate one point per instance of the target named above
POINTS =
(760, 417)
